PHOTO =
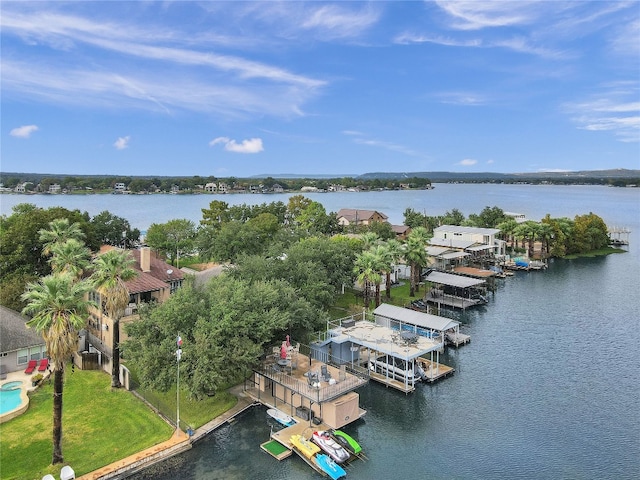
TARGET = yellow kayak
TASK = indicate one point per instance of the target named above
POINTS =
(306, 447)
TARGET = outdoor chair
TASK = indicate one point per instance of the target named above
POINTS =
(31, 366)
(44, 364)
(324, 373)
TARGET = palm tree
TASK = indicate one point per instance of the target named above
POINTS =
(382, 265)
(369, 239)
(59, 232)
(392, 253)
(507, 228)
(111, 270)
(59, 309)
(366, 270)
(70, 257)
(416, 255)
(545, 233)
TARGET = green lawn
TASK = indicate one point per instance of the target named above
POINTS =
(100, 425)
(193, 413)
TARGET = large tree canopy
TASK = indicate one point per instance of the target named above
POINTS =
(225, 329)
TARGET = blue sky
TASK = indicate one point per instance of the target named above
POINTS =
(250, 88)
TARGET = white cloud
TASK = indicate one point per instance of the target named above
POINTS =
(161, 69)
(122, 142)
(615, 109)
(24, 131)
(252, 145)
(490, 162)
(467, 162)
(474, 15)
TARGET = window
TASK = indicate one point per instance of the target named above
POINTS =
(34, 353)
(23, 356)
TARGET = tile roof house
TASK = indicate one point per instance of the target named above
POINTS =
(155, 282)
(18, 343)
(350, 216)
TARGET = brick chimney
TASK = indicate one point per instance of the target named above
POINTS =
(145, 259)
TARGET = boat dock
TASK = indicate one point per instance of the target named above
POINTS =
(433, 370)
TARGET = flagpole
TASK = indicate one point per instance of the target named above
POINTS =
(178, 355)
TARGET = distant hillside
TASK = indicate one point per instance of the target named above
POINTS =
(494, 176)
(433, 176)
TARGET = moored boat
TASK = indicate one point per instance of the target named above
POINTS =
(327, 443)
(281, 417)
(306, 447)
(347, 441)
(329, 466)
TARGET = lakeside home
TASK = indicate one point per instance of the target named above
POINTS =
(155, 282)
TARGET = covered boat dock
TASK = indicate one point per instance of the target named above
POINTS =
(454, 291)
(394, 357)
(425, 324)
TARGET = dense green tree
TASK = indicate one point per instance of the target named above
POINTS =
(173, 238)
(589, 233)
(490, 217)
(58, 310)
(110, 229)
(226, 327)
(453, 217)
(21, 248)
(216, 215)
(414, 219)
(383, 230)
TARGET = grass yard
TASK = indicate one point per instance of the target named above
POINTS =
(350, 303)
(193, 413)
(99, 426)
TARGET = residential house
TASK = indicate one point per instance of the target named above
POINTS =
(54, 188)
(223, 187)
(401, 231)
(277, 188)
(211, 187)
(155, 282)
(18, 343)
(119, 187)
(471, 243)
(350, 216)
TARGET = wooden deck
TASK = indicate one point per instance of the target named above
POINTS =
(445, 300)
(435, 371)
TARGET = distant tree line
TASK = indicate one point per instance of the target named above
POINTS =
(195, 184)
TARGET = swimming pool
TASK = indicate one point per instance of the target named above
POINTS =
(10, 396)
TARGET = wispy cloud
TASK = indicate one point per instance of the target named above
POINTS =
(615, 109)
(463, 98)
(122, 142)
(474, 15)
(361, 139)
(339, 21)
(200, 78)
(24, 131)
(251, 145)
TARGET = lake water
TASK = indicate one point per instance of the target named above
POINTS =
(548, 388)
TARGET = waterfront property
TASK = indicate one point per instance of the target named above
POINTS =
(155, 282)
(308, 388)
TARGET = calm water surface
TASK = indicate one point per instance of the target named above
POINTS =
(548, 388)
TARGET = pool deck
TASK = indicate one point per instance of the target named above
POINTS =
(25, 378)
